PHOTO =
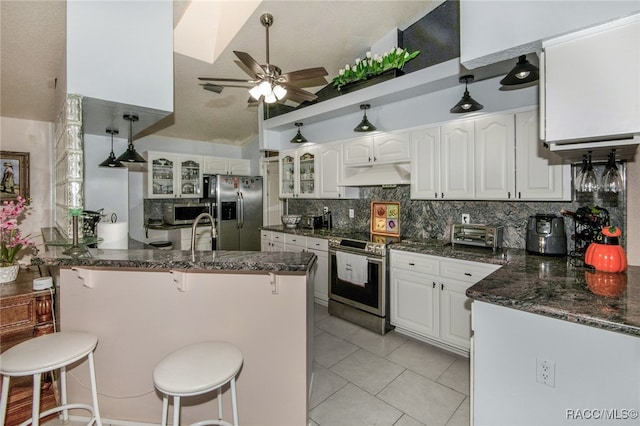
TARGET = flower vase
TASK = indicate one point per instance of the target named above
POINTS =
(370, 81)
(8, 273)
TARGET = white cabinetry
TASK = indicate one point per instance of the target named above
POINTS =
(457, 165)
(494, 145)
(320, 247)
(330, 172)
(181, 238)
(498, 157)
(298, 173)
(540, 174)
(428, 299)
(271, 241)
(383, 148)
(173, 175)
(584, 98)
(226, 166)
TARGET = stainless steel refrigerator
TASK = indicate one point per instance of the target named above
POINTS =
(238, 212)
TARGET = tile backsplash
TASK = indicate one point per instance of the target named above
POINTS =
(433, 218)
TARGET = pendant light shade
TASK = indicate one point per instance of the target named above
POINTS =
(364, 125)
(111, 161)
(298, 138)
(130, 155)
(523, 72)
(467, 103)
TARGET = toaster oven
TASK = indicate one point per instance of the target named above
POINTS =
(478, 235)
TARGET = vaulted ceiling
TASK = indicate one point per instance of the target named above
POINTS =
(305, 34)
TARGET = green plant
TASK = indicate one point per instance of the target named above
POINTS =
(373, 65)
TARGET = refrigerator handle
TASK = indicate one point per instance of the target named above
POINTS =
(241, 198)
(238, 210)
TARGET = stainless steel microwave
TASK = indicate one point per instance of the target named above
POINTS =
(183, 214)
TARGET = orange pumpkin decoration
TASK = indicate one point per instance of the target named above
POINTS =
(607, 256)
(606, 283)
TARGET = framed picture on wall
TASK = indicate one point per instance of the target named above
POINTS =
(14, 174)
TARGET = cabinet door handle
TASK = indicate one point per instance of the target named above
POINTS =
(509, 194)
(441, 286)
(369, 159)
(519, 194)
(412, 264)
(375, 159)
(442, 196)
(434, 284)
(468, 274)
(435, 195)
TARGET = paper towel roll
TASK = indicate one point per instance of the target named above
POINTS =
(113, 235)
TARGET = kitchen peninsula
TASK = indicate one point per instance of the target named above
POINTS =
(144, 304)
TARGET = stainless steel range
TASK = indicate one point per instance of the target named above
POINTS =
(362, 298)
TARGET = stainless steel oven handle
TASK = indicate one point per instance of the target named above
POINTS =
(377, 260)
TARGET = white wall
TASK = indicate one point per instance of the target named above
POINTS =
(36, 138)
(492, 31)
(105, 187)
(121, 51)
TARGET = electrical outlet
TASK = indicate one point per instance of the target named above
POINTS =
(546, 372)
(325, 210)
(351, 214)
(466, 218)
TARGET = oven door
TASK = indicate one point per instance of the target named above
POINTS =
(371, 297)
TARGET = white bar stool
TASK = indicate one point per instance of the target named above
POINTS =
(47, 353)
(197, 369)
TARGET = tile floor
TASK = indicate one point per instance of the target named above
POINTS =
(364, 379)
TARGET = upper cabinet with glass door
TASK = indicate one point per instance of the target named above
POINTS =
(173, 175)
(298, 173)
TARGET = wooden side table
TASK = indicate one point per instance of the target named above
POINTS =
(25, 314)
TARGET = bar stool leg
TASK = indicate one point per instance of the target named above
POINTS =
(234, 401)
(94, 390)
(35, 408)
(5, 398)
(176, 411)
(220, 403)
(165, 409)
(63, 393)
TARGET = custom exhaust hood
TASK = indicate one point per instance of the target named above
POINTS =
(377, 175)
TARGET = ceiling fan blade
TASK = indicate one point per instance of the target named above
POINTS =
(250, 63)
(305, 74)
(235, 80)
(298, 95)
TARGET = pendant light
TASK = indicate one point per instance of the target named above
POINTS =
(524, 72)
(111, 160)
(467, 103)
(130, 155)
(364, 125)
(298, 138)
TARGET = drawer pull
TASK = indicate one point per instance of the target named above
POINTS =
(468, 274)
(434, 284)
(412, 264)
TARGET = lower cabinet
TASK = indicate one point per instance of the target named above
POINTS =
(428, 299)
(320, 247)
(271, 241)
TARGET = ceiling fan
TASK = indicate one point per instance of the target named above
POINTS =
(267, 82)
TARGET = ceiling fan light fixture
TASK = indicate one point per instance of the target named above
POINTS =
(270, 98)
(255, 92)
(298, 138)
(130, 155)
(265, 88)
(524, 72)
(279, 91)
(111, 161)
(365, 125)
(467, 103)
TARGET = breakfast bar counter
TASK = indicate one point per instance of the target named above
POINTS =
(145, 304)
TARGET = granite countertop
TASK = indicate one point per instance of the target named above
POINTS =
(551, 286)
(556, 287)
(244, 261)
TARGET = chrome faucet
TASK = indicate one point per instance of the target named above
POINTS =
(193, 232)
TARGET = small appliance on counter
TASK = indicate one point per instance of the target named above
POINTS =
(546, 235)
(311, 222)
(478, 235)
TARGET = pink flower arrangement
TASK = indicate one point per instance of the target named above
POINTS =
(11, 240)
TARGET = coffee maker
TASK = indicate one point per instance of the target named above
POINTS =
(546, 235)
